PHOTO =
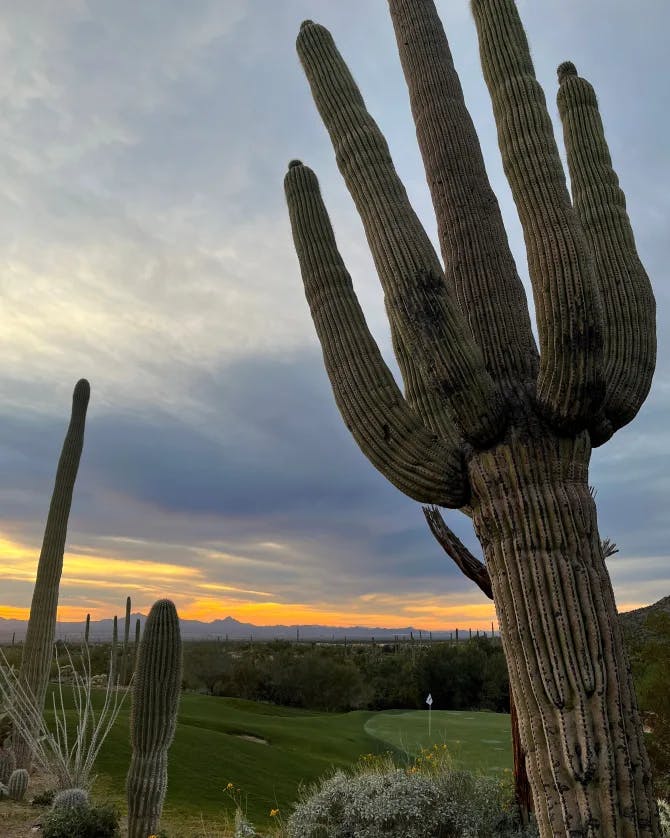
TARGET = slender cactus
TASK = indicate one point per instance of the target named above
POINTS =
(38, 645)
(154, 717)
(124, 653)
(87, 630)
(487, 423)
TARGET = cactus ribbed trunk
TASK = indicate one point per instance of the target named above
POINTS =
(41, 631)
(569, 675)
(154, 717)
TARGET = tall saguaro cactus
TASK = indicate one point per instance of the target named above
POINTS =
(38, 646)
(487, 423)
(153, 718)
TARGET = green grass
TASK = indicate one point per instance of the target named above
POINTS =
(208, 751)
(478, 741)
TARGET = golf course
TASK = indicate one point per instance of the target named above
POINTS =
(266, 752)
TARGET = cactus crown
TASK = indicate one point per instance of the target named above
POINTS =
(461, 331)
(18, 784)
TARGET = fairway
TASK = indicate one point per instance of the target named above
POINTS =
(479, 741)
(268, 751)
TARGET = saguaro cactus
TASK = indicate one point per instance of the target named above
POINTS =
(154, 716)
(38, 646)
(486, 423)
(124, 653)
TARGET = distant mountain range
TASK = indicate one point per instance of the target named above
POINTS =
(227, 628)
(231, 629)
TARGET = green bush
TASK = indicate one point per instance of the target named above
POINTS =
(87, 821)
(429, 799)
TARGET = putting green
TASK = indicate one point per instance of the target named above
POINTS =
(480, 741)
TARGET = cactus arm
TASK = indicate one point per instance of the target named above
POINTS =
(467, 563)
(433, 329)
(421, 399)
(628, 299)
(570, 384)
(38, 647)
(479, 266)
(390, 435)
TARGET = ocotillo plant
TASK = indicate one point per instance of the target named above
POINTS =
(153, 717)
(487, 423)
(124, 653)
(38, 646)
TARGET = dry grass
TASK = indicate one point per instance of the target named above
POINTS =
(21, 820)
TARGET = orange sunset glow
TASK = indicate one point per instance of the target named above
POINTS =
(97, 584)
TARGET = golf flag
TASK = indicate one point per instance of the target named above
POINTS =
(429, 700)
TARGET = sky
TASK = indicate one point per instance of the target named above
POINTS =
(145, 245)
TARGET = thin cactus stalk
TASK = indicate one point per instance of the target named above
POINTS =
(124, 652)
(40, 634)
(18, 784)
(87, 630)
(153, 718)
(487, 423)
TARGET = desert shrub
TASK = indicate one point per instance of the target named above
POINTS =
(44, 798)
(87, 821)
(429, 799)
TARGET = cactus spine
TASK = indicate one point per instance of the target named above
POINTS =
(153, 717)
(38, 646)
(18, 784)
(70, 798)
(124, 653)
(487, 423)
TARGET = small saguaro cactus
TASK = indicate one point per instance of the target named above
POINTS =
(153, 717)
(87, 630)
(487, 423)
(39, 642)
(18, 784)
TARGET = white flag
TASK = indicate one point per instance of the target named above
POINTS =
(429, 700)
